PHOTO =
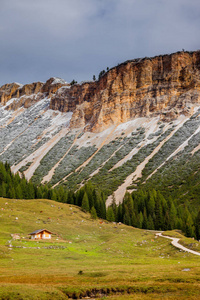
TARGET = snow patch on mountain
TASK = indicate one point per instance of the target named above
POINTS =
(58, 80)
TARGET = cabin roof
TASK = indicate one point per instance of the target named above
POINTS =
(38, 231)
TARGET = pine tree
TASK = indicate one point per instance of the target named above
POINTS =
(70, 198)
(19, 194)
(11, 193)
(114, 206)
(172, 216)
(151, 204)
(140, 220)
(3, 191)
(85, 203)
(189, 227)
(133, 220)
(102, 209)
(54, 195)
(158, 214)
(119, 213)
(145, 220)
(110, 215)
(128, 200)
(78, 197)
(126, 216)
(93, 213)
(197, 226)
(30, 191)
(91, 193)
(150, 224)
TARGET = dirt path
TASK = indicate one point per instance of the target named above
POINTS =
(175, 243)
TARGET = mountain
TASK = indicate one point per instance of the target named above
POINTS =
(137, 126)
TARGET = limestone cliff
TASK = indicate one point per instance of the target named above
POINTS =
(28, 94)
(167, 85)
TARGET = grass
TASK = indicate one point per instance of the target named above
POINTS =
(87, 257)
(190, 243)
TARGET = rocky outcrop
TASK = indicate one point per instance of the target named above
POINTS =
(52, 85)
(8, 91)
(165, 85)
(28, 94)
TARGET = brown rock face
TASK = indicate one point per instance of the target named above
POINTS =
(52, 85)
(167, 85)
(29, 93)
(8, 91)
(164, 85)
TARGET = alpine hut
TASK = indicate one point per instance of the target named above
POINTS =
(41, 234)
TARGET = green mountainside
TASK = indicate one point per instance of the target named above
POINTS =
(147, 209)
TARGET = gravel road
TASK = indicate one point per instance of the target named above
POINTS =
(176, 244)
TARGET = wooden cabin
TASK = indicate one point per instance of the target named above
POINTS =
(41, 234)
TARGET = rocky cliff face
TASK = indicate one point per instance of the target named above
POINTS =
(29, 94)
(166, 85)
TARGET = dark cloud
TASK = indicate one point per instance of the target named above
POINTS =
(79, 38)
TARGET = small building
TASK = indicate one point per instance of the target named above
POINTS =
(41, 234)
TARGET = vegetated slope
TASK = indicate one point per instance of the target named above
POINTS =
(85, 255)
(147, 209)
(134, 122)
(174, 170)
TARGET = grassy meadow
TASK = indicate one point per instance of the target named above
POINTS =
(88, 258)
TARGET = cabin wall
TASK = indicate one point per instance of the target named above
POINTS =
(42, 235)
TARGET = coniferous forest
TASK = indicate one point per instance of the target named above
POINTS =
(146, 209)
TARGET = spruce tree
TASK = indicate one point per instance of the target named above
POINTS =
(140, 220)
(119, 213)
(114, 206)
(19, 194)
(110, 214)
(197, 226)
(93, 213)
(172, 216)
(151, 204)
(102, 209)
(145, 220)
(85, 203)
(150, 224)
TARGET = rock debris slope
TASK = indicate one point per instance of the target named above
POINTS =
(129, 125)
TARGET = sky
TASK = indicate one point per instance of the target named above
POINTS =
(76, 39)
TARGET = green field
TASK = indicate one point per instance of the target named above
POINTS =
(87, 258)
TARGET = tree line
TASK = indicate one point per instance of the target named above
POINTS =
(88, 197)
(148, 209)
(145, 209)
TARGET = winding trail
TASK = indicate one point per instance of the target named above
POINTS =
(175, 243)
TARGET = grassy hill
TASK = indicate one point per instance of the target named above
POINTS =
(87, 257)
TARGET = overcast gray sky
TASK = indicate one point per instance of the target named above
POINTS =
(74, 39)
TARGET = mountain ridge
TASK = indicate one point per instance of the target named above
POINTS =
(142, 114)
(164, 85)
